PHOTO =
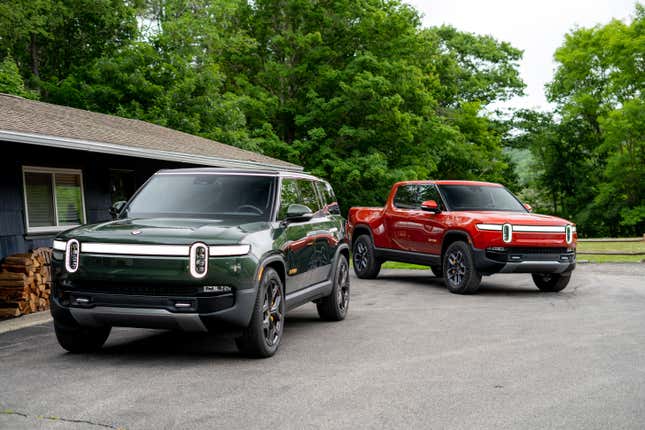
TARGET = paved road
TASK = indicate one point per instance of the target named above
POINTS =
(410, 355)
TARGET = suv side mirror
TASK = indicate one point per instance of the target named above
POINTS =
(116, 208)
(296, 213)
(528, 207)
(430, 206)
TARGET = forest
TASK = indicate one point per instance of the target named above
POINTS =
(356, 91)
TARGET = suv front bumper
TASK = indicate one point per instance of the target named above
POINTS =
(525, 260)
(188, 313)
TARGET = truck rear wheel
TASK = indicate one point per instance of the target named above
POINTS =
(437, 271)
(551, 282)
(459, 272)
(366, 266)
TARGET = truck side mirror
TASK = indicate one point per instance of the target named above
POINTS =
(116, 208)
(430, 206)
(528, 207)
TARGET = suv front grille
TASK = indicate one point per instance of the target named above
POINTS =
(137, 289)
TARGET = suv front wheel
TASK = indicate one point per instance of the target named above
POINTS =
(262, 337)
(79, 339)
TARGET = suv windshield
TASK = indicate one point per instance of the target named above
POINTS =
(193, 195)
(480, 198)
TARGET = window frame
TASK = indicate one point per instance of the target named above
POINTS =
(52, 172)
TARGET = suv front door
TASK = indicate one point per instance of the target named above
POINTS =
(306, 243)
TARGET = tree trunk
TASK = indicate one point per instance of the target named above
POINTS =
(33, 50)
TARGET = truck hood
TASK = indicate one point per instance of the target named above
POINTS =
(167, 231)
(515, 218)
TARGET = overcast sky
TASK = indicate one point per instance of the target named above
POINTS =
(535, 26)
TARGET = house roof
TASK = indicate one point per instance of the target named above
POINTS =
(38, 123)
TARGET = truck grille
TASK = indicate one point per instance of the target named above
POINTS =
(536, 250)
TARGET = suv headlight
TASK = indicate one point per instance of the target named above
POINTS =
(72, 255)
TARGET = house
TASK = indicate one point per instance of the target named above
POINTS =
(61, 167)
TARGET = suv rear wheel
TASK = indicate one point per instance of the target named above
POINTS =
(334, 306)
(262, 337)
(551, 282)
(366, 266)
(77, 339)
(459, 271)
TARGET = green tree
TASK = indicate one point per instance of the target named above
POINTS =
(11, 81)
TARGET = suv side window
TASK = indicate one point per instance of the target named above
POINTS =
(288, 195)
(406, 197)
(308, 194)
(329, 199)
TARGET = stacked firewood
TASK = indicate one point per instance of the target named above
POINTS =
(25, 283)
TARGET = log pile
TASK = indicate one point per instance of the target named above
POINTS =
(25, 283)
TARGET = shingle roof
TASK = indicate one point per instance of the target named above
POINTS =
(41, 123)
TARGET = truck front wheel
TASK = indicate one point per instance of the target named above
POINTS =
(366, 266)
(551, 282)
(459, 271)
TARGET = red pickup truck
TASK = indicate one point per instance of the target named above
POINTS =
(462, 230)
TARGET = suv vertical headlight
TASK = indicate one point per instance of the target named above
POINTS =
(198, 260)
(72, 255)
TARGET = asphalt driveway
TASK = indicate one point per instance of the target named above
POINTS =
(410, 355)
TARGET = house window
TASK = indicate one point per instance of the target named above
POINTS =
(53, 199)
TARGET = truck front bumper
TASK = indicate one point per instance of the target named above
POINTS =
(524, 260)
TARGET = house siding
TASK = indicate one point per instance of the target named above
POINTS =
(96, 186)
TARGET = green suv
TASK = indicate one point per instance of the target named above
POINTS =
(200, 249)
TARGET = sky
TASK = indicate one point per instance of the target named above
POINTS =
(535, 26)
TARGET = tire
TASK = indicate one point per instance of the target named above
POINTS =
(459, 272)
(78, 340)
(437, 271)
(262, 337)
(551, 282)
(334, 307)
(366, 266)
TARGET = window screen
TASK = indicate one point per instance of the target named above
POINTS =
(53, 198)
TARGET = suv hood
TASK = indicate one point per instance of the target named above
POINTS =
(168, 231)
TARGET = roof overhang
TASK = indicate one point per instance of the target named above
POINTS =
(131, 151)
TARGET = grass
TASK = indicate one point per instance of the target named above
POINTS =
(397, 265)
(612, 246)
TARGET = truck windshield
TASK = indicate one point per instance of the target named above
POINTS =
(242, 198)
(480, 198)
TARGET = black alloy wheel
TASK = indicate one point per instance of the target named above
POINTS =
(272, 311)
(459, 272)
(366, 266)
(551, 282)
(334, 307)
(262, 337)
